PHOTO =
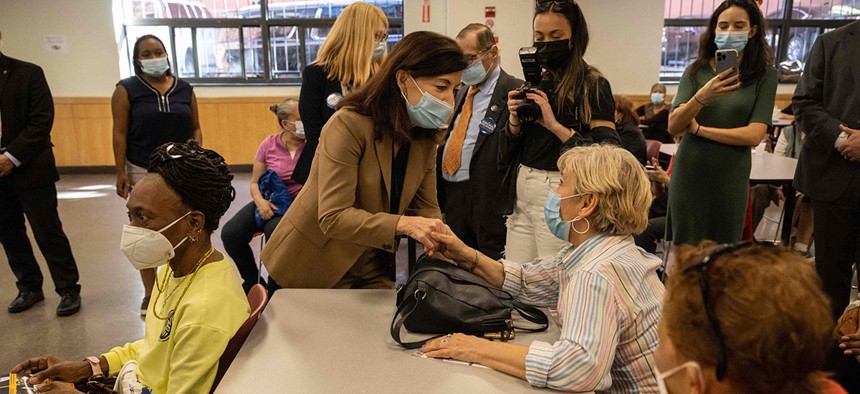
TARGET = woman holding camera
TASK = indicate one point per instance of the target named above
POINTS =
(721, 116)
(578, 110)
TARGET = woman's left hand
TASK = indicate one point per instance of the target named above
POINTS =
(455, 346)
(547, 119)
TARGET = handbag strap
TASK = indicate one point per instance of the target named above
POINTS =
(533, 315)
(402, 314)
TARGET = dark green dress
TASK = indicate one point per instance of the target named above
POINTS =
(710, 180)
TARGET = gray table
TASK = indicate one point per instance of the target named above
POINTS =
(337, 341)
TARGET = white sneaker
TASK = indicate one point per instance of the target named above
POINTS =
(144, 306)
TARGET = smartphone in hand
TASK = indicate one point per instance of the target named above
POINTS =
(727, 59)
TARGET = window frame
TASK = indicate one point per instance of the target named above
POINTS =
(781, 26)
(264, 23)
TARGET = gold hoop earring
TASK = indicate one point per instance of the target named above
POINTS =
(573, 225)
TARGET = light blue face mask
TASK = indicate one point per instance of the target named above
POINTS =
(552, 214)
(657, 98)
(475, 73)
(736, 40)
(379, 51)
(155, 67)
(430, 112)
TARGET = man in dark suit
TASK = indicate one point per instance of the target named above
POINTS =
(827, 106)
(470, 178)
(27, 176)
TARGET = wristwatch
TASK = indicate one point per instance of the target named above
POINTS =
(96, 366)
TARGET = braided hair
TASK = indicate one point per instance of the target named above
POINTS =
(200, 177)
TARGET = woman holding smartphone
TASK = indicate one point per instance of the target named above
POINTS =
(579, 111)
(721, 116)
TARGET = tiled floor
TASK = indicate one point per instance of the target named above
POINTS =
(92, 217)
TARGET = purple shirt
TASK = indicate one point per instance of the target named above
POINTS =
(276, 157)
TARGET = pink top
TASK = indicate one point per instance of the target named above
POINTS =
(276, 157)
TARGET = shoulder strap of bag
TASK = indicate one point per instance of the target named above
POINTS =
(406, 307)
(533, 315)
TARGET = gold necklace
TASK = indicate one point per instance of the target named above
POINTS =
(166, 279)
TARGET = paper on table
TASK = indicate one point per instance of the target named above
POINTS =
(419, 353)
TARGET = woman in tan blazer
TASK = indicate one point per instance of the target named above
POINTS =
(341, 230)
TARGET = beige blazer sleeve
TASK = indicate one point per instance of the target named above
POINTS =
(340, 150)
(425, 203)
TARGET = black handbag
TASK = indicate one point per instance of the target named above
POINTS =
(441, 298)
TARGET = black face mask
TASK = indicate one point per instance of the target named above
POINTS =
(553, 54)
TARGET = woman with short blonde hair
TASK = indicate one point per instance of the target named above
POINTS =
(352, 52)
(605, 288)
(743, 318)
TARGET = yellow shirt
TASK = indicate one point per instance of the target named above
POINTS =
(181, 356)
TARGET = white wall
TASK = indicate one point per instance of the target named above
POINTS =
(90, 68)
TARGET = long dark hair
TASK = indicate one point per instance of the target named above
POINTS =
(136, 53)
(575, 78)
(757, 54)
(421, 54)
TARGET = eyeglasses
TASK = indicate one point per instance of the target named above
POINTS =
(471, 58)
(702, 268)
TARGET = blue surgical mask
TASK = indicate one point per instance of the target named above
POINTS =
(430, 112)
(474, 74)
(379, 51)
(736, 40)
(657, 98)
(552, 214)
(155, 67)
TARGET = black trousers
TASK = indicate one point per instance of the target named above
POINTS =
(837, 247)
(39, 205)
(470, 218)
(237, 235)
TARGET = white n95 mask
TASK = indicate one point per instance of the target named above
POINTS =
(147, 248)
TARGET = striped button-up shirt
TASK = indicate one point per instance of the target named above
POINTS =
(609, 299)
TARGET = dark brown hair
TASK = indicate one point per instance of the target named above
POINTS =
(773, 316)
(757, 54)
(625, 106)
(421, 54)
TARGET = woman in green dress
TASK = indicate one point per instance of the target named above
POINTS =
(721, 117)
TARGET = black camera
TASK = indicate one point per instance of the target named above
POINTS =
(529, 111)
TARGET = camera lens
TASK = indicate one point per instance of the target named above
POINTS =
(529, 112)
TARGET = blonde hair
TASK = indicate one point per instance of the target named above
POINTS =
(347, 51)
(773, 316)
(619, 182)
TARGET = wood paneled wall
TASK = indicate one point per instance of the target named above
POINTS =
(234, 127)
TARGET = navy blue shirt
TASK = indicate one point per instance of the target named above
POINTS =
(155, 119)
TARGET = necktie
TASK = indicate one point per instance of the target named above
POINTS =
(451, 161)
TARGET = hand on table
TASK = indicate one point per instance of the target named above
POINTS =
(6, 165)
(850, 149)
(54, 368)
(455, 346)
